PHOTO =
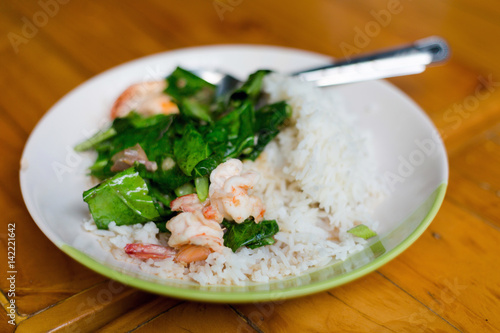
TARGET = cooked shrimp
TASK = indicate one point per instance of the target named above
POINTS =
(192, 228)
(191, 253)
(186, 254)
(211, 212)
(187, 203)
(228, 194)
(149, 251)
(146, 98)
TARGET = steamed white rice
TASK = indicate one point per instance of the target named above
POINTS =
(317, 180)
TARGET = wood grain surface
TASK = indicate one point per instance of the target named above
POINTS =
(447, 281)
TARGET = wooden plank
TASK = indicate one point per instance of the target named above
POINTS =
(467, 118)
(140, 315)
(35, 62)
(115, 41)
(459, 19)
(4, 323)
(478, 198)
(88, 310)
(480, 160)
(172, 27)
(46, 275)
(452, 269)
(13, 138)
(197, 317)
(371, 304)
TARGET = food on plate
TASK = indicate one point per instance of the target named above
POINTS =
(262, 183)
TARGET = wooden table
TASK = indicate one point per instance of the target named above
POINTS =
(449, 280)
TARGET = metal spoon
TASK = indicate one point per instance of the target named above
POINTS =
(402, 60)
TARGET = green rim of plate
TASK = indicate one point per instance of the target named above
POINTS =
(333, 275)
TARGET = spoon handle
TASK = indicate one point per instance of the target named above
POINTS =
(403, 60)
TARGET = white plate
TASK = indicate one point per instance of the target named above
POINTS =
(409, 152)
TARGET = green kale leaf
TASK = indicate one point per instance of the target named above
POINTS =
(123, 198)
(249, 233)
(190, 150)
